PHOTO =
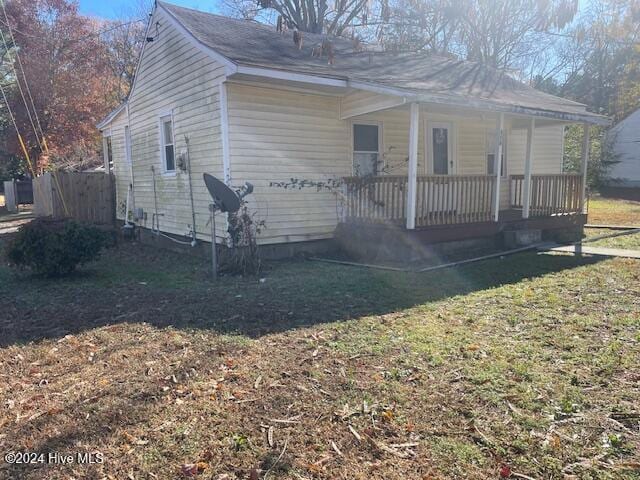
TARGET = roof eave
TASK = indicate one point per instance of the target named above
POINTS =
(110, 117)
(480, 104)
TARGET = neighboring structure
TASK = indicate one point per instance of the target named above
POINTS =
(624, 141)
(441, 148)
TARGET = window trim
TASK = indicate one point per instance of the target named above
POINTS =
(107, 146)
(377, 123)
(428, 147)
(127, 144)
(505, 151)
(163, 144)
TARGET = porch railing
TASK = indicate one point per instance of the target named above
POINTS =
(556, 194)
(441, 199)
(382, 198)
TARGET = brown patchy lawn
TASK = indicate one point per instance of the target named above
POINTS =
(609, 211)
(603, 211)
(527, 364)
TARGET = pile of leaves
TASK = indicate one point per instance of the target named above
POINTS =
(54, 248)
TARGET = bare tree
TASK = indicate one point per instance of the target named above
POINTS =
(124, 38)
(314, 16)
(431, 25)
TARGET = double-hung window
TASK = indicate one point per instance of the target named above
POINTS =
(366, 149)
(167, 146)
(491, 153)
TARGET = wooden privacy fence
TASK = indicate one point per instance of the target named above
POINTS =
(556, 194)
(441, 199)
(84, 196)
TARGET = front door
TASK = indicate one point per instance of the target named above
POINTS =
(440, 158)
(440, 161)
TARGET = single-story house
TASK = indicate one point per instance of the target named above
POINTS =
(431, 148)
(624, 141)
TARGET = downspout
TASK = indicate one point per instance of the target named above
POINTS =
(193, 208)
(155, 220)
(132, 203)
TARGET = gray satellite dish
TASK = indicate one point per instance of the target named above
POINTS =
(225, 199)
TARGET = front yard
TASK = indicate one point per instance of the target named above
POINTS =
(522, 367)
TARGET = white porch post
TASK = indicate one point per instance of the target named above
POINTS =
(586, 141)
(412, 180)
(498, 166)
(526, 191)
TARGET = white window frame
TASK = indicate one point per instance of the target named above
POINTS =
(107, 138)
(127, 144)
(381, 160)
(453, 145)
(163, 144)
(505, 150)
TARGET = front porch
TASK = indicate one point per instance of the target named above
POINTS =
(442, 200)
(420, 166)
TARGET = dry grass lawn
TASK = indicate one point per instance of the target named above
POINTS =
(525, 367)
(611, 211)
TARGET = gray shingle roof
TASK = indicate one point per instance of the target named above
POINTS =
(448, 80)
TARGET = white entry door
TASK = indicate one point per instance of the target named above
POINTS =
(440, 148)
(440, 143)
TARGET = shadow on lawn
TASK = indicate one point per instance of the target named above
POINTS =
(134, 283)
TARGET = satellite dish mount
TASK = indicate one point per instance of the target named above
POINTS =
(224, 200)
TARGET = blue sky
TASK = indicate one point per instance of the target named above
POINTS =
(114, 8)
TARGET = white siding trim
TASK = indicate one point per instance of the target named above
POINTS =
(292, 76)
(224, 133)
(139, 62)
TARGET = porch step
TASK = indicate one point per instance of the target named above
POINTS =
(522, 237)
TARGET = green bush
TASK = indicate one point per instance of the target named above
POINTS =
(55, 248)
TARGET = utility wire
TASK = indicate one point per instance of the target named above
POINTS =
(13, 120)
(42, 144)
(33, 125)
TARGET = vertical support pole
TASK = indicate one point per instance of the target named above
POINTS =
(214, 253)
(224, 133)
(526, 193)
(498, 166)
(226, 152)
(586, 141)
(412, 180)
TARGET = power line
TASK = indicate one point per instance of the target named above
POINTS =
(42, 144)
(35, 130)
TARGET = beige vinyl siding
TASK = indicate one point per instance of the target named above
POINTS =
(274, 136)
(121, 168)
(548, 143)
(176, 78)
